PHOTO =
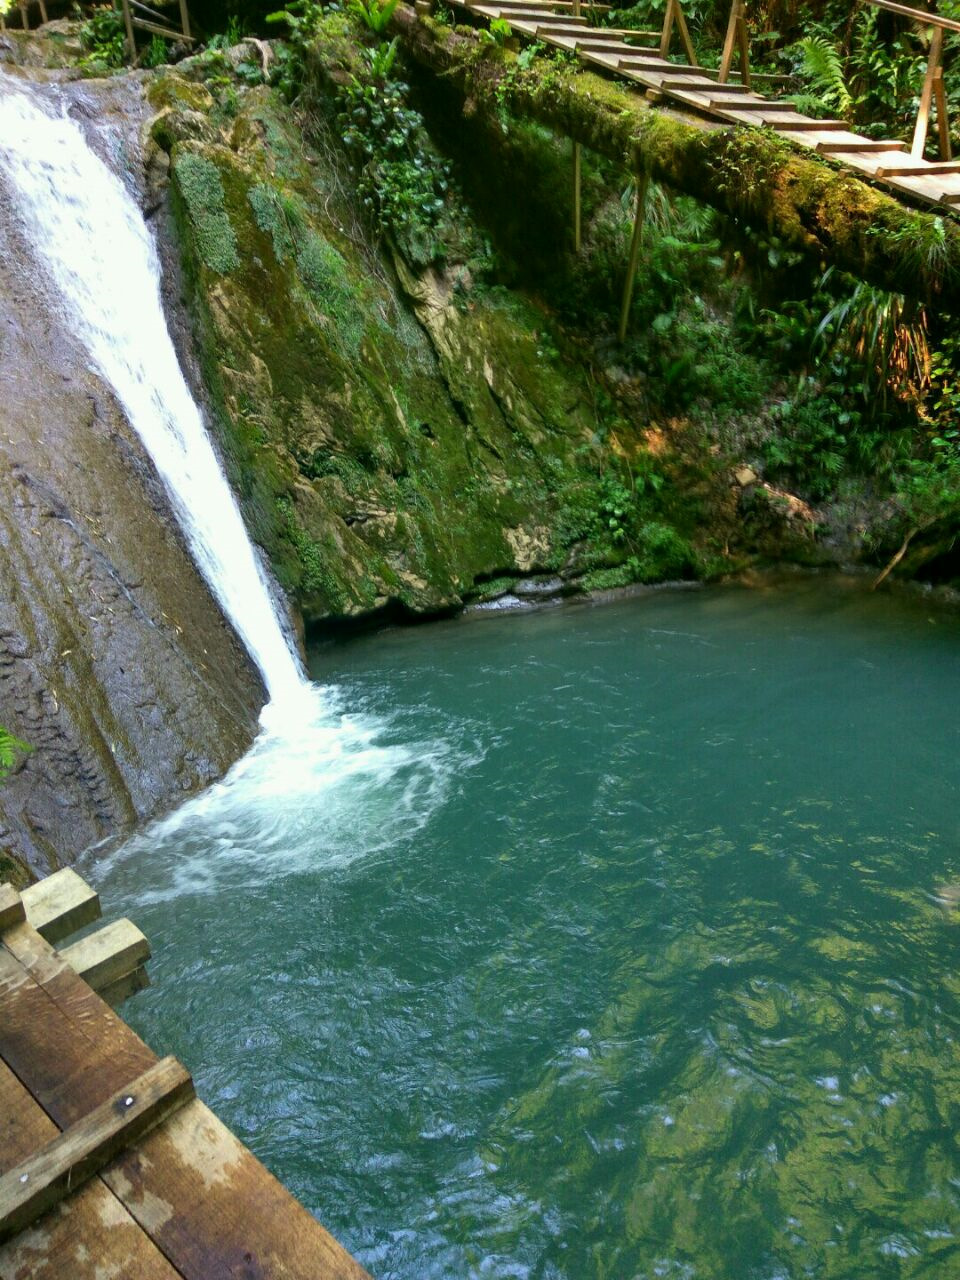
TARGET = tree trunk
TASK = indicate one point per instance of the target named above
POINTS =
(810, 203)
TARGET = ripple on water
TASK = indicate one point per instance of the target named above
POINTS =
(597, 943)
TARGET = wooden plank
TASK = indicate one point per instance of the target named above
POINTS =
(926, 95)
(862, 145)
(70, 1159)
(805, 125)
(154, 28)
(215, 1212)
(60, 1038)
(89, 1237)
(114, 993)
(922, 169)
(12, 910)
(111, 953)
(918, 15)
(61, 904)
(612, 49)
(749, 104)
(210, 1207)
(690, 85)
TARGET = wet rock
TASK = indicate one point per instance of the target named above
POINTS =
(115, 664)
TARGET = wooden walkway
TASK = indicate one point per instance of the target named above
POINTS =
(887, 161)
(109, 1165)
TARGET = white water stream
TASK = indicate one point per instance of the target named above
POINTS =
(320, 786)
(90, 238)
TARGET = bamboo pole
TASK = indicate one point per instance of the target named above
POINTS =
(128, 23)
(926, 94)
(24, 18)
(643, 181)
(577, 203)
(185, 19)
(943, 118)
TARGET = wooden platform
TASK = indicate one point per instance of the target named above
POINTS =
(886, 161)
(109, 1164)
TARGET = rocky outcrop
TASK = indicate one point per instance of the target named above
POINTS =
(116, 667)
(399, 433)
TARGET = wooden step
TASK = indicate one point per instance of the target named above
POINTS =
(69, 1160)
(690, 85)
(866, 146)
(805, 125)
(11, 907)
(930, 168)
(109, 955)
(750, 104)
(61, 904)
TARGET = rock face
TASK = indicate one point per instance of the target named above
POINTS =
(115, 664)
(398, 434)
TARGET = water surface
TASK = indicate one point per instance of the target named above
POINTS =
(599, 942)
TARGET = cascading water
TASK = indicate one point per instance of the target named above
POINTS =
(89, 236)
(314, 768)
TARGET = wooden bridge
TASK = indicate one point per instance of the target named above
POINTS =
(109, 1164)
(710, 92)
(725, 96)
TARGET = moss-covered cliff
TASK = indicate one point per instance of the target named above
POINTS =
(400, 430)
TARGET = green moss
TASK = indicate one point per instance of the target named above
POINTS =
(202, 191)
(327, 279)
(274, 217)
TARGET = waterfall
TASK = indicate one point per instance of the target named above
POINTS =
(90, 239)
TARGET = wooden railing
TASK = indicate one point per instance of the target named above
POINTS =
(131, 11)
(932, 91)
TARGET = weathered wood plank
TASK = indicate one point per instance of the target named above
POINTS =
(216, 1212)
(61, 904)
(11, 907)
(91, 1235)
(212, 1209)
(60, 1038)
(123, 988)
(71, 1158)
(108, 955)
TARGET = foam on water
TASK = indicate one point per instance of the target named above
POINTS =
(318, 790)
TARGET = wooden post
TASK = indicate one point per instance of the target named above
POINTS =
(926, 94)
(577, 214)
(43, 12)
(643, 182)
(185, 19)
(674, 14)
(24, 19)
(128, 23)
(943, 119)
(744, 41)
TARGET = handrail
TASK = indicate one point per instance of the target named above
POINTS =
(918, 15)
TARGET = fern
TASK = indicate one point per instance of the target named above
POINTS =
(824, 67)
(10, 748)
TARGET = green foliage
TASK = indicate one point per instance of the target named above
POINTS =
(823, 66)
(304, 20)
(202, 191)
(374, 14)
(498, 31)
(155, 54)
(809, 444)
(400, 180)
(102, 37)
(11, 748)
